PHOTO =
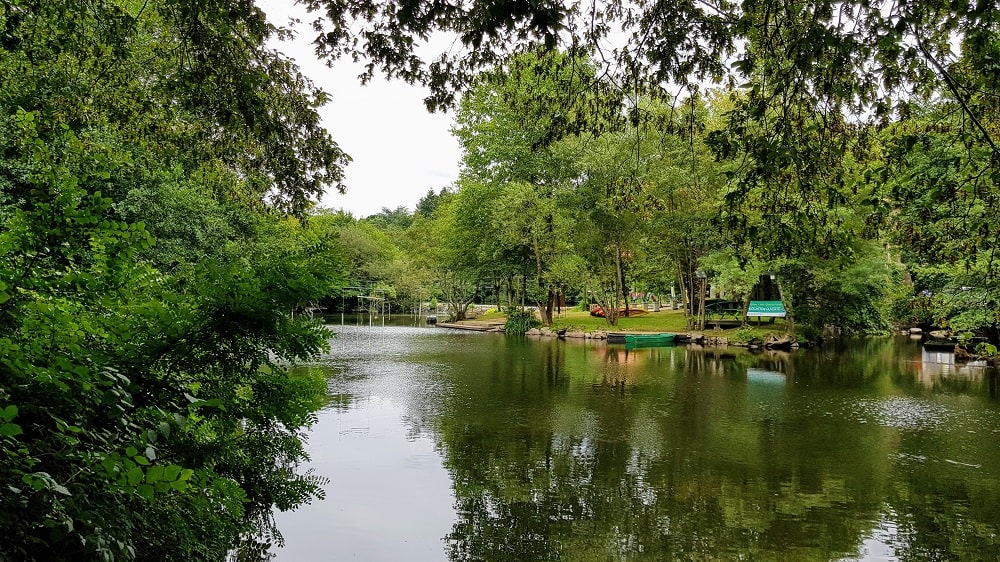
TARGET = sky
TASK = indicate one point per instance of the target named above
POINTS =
(399, 150)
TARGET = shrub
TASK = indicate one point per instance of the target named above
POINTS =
(745, 334)
(520, 321)
(984, 349)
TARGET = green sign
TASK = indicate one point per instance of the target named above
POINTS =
(766, 308)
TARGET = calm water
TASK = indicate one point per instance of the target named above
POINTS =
(444, 445)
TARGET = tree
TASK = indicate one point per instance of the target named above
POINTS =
(429, 203)
(508, 125)
(939, 202)
(398, 218)
(646, 197)
(816, 79)
(147, 407)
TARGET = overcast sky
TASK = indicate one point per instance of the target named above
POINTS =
(399, 149)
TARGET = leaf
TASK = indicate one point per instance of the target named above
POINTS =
(8, 413)
(10, 429)
(154, 474)
(171, 472)
(134, 476)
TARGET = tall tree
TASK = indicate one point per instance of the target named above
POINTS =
(813, 73)
(147, 408)
(507, 125)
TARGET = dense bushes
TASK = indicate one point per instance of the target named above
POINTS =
(520, 320)
(145, 407)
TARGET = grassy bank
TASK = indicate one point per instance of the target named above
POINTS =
(663, 321)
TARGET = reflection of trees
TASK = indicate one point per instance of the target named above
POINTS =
(683, 465)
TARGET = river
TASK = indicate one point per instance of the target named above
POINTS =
(443, 445)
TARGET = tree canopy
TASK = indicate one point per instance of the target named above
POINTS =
(159, 235)
(153, 158)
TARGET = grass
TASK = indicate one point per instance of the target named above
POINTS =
(663, 321)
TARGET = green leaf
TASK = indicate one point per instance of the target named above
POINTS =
(10, 429)
(154, 474)
(134, 476)
(8, 413)
(171, 472)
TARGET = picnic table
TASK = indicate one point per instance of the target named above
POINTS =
(724, 309)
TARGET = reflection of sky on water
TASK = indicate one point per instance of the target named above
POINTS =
(389, 498)
(424, 421)
(882, 544)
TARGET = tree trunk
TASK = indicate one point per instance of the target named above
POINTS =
(786, 301)
(701, 304)
(545, 309)
(620, 272)
(683, 292)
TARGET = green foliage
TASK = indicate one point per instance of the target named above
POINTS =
(429, 203)
(398, 218)
(745, 334)
(520, 320)
(984, 349)
(853, 122)
(147, 154)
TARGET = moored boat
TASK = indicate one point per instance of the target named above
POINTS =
(642, 340)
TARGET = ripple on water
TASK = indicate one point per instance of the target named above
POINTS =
(903, 413)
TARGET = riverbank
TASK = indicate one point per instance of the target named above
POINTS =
(575, 324)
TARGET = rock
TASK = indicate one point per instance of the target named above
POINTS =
(961, 354)
(533, 332)
(784, 342)
(916, 331)
(576, 334)
(940, 334)
(599, 335)
(546, 332)
(696, 337)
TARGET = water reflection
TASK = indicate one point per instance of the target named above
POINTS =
(545, 450)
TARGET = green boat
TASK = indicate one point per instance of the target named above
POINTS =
(648, 340)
